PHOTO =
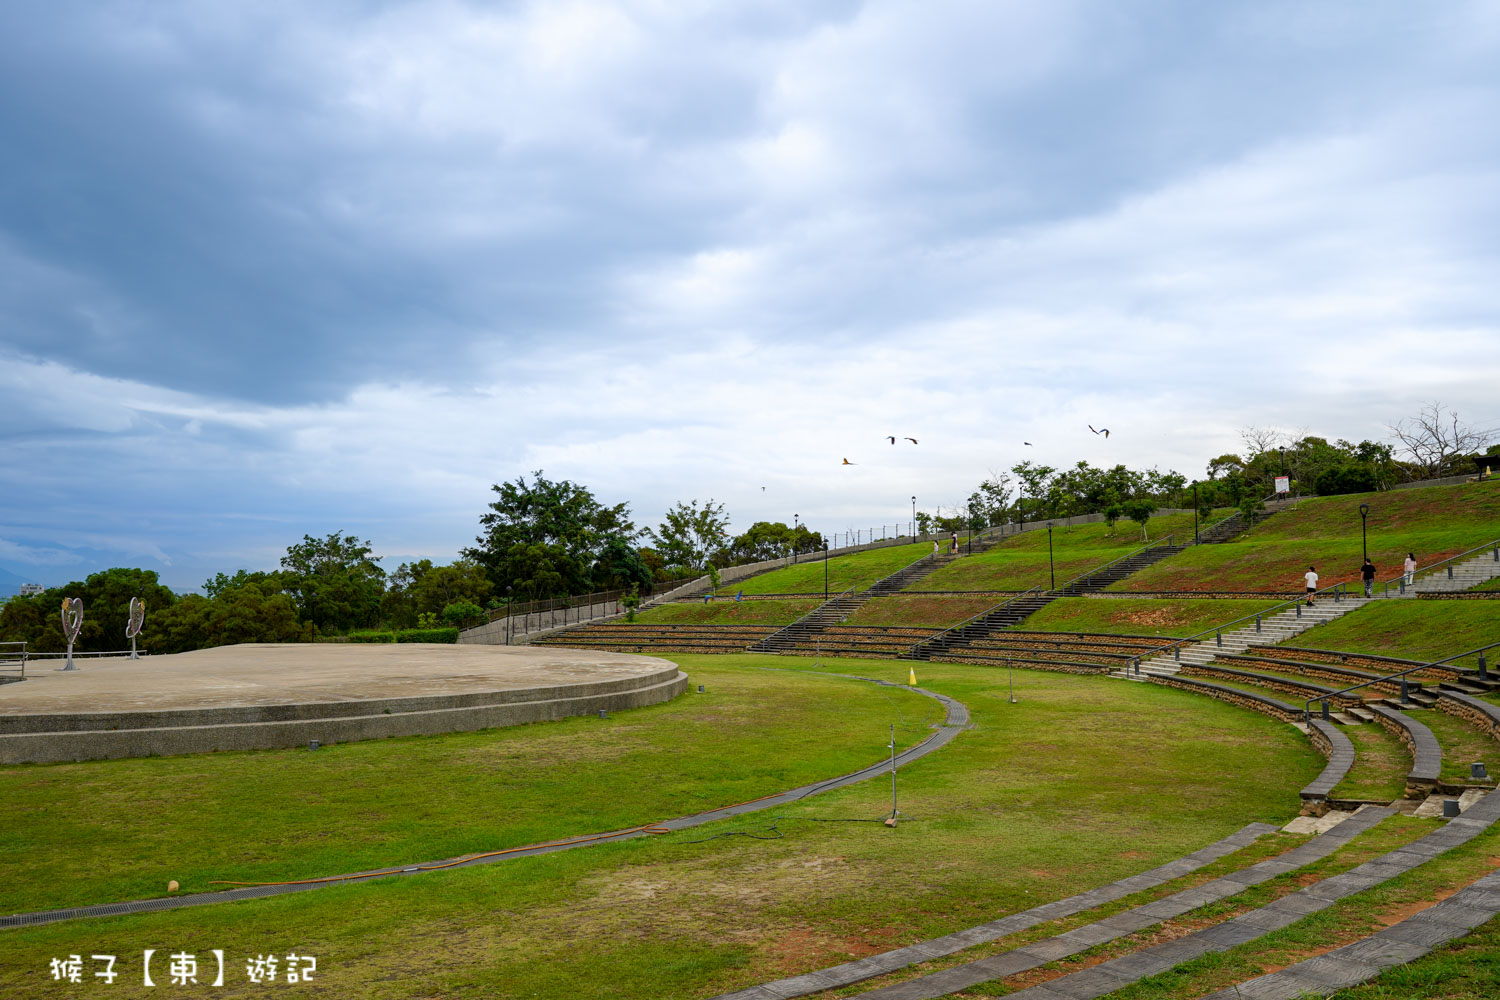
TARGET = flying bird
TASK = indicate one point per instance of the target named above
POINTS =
(1102, 430)
(912, 440)
(762, 489)
(1028, 444)
(892, 437)
(847, 462)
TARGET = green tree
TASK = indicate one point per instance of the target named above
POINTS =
(690, 533)
(563, 518)
(619, 566)
(1140, 512)
(336, 582)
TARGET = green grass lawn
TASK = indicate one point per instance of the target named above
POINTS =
(1412, 629)
(1140, 616)
(920, 610)
(1435, 522)
(858, 570)
(1084, 780)
(1020, 562)
(1381, 763)
(779, 611)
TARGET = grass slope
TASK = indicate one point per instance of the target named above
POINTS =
(1083, 781)
(1417, 630)
(1435, 522)
(721, 612)
(858, 569)
(1140, 616)
(1020, 562)
(920, 610)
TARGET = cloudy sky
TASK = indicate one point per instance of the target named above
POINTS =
(273, 269)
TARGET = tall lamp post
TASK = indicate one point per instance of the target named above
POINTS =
(1364, 538)
(825, 570)
(1051, 567)
(914, 518)
(794, 537)
(971, 529)
(1195, 513)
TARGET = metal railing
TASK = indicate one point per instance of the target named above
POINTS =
(911, 651)
(892, 577)
(1401, 676)
(1400, 581)
(76, 654)
(1336, 590)
(1113, 562)
(13, 658)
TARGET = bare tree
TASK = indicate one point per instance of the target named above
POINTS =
(1259, 440)
(1434, 439)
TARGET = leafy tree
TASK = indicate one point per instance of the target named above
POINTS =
(1113, 513)
(690, 533)
(461, 611)
(1436, 442)
(335, 581)
(422, 588)
(1346, 479)
(35, 620)
(539, 571)
(620, 566)
(1034, 481)
(1140, 512)
(562, 519)
(1224, 464)
(251, 612)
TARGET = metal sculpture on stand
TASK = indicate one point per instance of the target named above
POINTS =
(72, 621)
(137, 619)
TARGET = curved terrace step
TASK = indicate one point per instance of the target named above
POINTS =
(1118, 973)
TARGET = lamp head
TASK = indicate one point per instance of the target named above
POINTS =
(1364, 509)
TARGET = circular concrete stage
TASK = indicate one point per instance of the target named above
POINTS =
(253, 697)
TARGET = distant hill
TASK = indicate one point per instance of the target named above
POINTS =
(10, 583)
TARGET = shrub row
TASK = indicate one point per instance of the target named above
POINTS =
(408, 635)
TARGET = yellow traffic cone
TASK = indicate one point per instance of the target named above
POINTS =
(912, 680)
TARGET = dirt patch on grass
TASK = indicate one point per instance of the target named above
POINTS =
(801, 948)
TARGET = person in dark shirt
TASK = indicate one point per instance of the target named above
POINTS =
(1367, 573)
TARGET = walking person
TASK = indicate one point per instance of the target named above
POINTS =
(934, 547)
(1409, 568)
(954, 544)
(1311, 576)
(1367, 574)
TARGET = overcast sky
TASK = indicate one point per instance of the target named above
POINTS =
(273, 269)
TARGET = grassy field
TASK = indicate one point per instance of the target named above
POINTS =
(1434, 522)
(1381, 763)
(1020, 562)
(779, 611)
(1140, 616)
(858, 569)
(921, 610)
(1417, 630)
(1028, 805)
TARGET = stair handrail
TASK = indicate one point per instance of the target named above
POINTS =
(1100, 569)
(898, 572)
(13, 656)
(832, 600)
(1338, 590)
(1239, 513)
(1034, 591)
(1400, 580)
(1483, 675)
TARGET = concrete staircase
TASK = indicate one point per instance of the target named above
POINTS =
(1235, 524)
(1276, 628)
(1463, 576)
(836, 610)
(1116, 571)
(1002, 616)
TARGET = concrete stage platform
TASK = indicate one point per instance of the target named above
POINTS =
(277, 695)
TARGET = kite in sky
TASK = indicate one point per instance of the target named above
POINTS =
(1102, 430)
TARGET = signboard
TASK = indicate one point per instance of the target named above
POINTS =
(1283, 484)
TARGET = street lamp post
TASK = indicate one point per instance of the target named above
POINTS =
(1051, 566)
(1195, 513)
(971, 529)
(825, 571)
(914, 518)
(794, 537)
(1364, 542)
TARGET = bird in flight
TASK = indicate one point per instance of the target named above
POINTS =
(847, 462)
(1028, 444)
(762, 489)
(912, 440)
(892, 437)
(1102, 430)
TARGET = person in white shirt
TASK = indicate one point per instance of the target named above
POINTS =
(1311, 576)
(1410, 567)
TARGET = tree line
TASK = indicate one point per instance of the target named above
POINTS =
(546, 539)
